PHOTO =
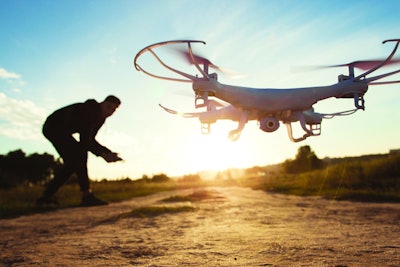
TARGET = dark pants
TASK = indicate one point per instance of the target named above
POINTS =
(74, 157)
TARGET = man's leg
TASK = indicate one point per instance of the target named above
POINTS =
(75, 160)
(59, 179)
(88, 198)
(80, 164)
(66, 147)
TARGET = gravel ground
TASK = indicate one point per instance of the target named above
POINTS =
(225, 227)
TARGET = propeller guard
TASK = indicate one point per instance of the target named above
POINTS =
(187, 77)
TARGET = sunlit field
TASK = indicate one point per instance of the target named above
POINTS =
(374, 178)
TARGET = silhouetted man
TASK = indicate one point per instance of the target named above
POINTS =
(86, 119)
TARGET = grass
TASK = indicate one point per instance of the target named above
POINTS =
(358, 179)
(373, 180)
(21, 200)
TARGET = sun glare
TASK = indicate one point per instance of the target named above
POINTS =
(215, 151)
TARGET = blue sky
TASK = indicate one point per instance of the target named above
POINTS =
(54, 53)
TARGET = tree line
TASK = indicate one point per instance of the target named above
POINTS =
(17, 168)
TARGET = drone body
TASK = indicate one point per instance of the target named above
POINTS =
(268, 106)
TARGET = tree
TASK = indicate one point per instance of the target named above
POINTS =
(39, 168)
(305, 160)
(16, 168)
(12, 168)
(160, 178)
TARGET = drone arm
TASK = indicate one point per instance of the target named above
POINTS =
(383, 63)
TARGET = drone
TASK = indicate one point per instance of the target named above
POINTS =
(269, 107)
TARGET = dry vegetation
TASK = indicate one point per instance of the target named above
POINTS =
(374, 178)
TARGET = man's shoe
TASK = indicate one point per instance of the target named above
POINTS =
(90, 200)
(46, 200)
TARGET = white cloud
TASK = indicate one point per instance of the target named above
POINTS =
(4, 74)
(20, 119)
(13, 80)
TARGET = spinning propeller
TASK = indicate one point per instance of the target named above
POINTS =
(364, 64)
(369, 66)
(195, 58)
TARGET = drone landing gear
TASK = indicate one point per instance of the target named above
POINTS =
(290, 134)
(310, 122)
(359, 101)
(201, 100)
(233, 135)
(311, 129)
(358, 97)
(205, 128)
(213, 114)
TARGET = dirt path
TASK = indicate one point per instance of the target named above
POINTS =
(235, 227)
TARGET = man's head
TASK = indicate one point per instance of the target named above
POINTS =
(109, 105)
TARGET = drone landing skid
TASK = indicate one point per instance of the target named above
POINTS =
(290, 134)
(359, 101)
(311, 129)
(315, 130)
(201, 101)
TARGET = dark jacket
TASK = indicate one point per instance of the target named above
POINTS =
(83, 118)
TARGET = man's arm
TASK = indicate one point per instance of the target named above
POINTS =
(102, 151)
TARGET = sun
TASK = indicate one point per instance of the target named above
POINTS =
(215, 151)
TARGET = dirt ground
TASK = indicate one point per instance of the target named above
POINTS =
(232, 227)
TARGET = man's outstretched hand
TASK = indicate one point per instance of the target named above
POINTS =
(111, 157)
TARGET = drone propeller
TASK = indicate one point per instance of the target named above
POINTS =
(197, 59)
(364, 64)
(204, 61)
